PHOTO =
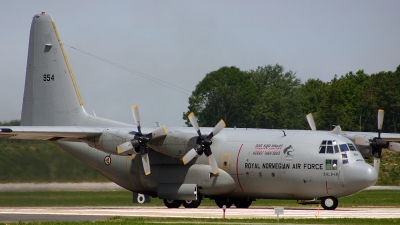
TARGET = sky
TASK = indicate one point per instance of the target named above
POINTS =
(154, 53)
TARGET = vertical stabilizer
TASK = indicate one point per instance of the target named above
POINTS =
(51, 97)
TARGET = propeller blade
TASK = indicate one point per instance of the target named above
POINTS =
(146, 163)
(377, 163)
(124, 147)
(394, 146)
(213, 164)
(380, 118)
(135, 112)
(311, 122)
(193, 121)
(337, 130)
(361, 141)
(161, 131)
(221, 125)
(189, 156)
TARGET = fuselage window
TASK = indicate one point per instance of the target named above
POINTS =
(334, 164)
(328, 164)
(331, 164)
(345, 161)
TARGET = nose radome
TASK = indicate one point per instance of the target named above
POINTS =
(359, 175)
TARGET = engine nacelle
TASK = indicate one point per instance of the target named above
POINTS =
(110, 139)
(175, 144)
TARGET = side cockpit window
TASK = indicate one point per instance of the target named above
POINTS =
(344, 148)
(352, 147)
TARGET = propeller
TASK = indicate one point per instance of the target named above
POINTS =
(203, 143)
(310, 119)
(311, 123)
(377, 143)
(139, 142)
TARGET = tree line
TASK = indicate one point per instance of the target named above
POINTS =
(272, 98)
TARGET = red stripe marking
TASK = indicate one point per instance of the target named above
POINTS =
(237, 168)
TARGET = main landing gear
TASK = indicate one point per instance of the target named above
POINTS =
(238, 202)
(186, 203)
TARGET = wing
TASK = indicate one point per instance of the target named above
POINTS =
(51, 133)
(371, 135)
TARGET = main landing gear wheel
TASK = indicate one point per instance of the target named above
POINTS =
(191, 203)
(223, 201)
(242, 203)
(329, 203)
(172, 203)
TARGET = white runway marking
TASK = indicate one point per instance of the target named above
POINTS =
(206, 212)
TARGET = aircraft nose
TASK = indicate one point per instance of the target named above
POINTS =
(359, 175)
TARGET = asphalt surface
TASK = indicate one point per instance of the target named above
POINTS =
(27, 214)
(101, 213)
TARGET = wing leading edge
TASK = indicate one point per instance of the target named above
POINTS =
(51, 133)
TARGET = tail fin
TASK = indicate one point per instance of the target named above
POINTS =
(51, 96)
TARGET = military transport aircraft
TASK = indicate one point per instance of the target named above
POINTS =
(239, 166)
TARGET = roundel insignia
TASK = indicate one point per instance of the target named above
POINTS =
(107, 160)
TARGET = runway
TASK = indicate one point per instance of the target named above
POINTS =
(101, 213)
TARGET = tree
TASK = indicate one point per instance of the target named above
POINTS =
(277, 105)
(344, 102)
(227, 93)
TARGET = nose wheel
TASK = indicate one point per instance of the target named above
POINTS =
(329, 203)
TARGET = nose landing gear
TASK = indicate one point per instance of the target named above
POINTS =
(329, 203)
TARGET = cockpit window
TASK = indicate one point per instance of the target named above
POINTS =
(336, 148)
(352, 147)
(328, 146)
(344, 148)
(329, 149)
(322, 149)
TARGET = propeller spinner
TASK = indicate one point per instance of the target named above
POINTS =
(139, 142)
(203, 143)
